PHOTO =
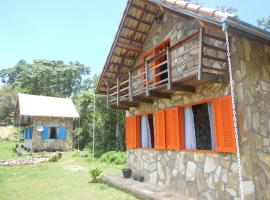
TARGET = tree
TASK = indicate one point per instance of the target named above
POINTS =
(7, 102)
(44, 77)
(106, 121)
(264, 22)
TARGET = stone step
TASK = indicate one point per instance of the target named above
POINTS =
(142, 190)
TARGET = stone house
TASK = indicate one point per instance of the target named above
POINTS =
(47, 122)
(168, 68)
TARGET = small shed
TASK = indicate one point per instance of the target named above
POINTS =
(47, 122)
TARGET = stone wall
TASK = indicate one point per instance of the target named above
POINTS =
(39, 144)
(215, 175)
(251, 63)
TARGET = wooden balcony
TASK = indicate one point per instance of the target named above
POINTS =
(197, 59)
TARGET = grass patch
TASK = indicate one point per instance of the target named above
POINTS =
(7, 150)
(55, 180)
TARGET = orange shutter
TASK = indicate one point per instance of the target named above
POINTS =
(224, 128)
(159, 117)
(133, 132)
(174, 120)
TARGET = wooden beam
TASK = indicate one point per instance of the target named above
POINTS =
(159, 94)
(132, 40)
(169, 84)
(115, 107)
(142, 99)
(130, 89)
(200, 53)
(127, 57)
(127, 47)
(143, 9)
(146, 79)
(117, 97)
(181, 87)
(135, 30)
(119, 64)
(139, 20)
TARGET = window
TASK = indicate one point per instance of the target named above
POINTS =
(147, 131)
(53, 132)
(202, 126)
(157, 74)
(199, 134)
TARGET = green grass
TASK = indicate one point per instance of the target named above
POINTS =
(7, 150)
(55, 181)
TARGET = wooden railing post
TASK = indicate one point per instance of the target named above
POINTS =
(169, 69)
(117, 93)
(130, 85)
(146, 80)
(108, 94)
(200, 53)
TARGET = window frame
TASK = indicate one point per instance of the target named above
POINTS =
(144, 114)
(193, 104)
(218, 138)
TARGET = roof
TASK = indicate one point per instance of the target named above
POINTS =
(44, 106)
(136, 23)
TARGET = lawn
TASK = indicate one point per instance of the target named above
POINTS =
(55, 181)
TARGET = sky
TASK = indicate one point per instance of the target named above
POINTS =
(77, 30)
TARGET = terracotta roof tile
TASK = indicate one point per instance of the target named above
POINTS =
(208, 12)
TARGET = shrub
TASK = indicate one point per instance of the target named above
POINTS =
(114, 157)
(56, 157)
(76, 153)
(43, 154)
(95, 173)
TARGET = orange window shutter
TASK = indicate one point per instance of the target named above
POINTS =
(216, 106)
(129, 132)
(160, 140)
(174, 128)
(228, 138)
(181, 120)
(133, 131)
(136, 131)
(224, 129)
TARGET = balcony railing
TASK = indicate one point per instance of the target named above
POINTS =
(199, 58)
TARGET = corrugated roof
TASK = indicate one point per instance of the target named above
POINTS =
(44, 106)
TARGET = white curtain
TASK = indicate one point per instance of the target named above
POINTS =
(211, 120)
(145, 133)
(190, 137)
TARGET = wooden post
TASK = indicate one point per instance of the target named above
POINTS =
(108, 94)
(130, 85)
(146, 79)
(117, 97)
(200, 53)
(169, 70)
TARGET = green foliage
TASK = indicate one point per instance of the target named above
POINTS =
(264, 22)
(106, 120)
(95, 173)
(56, 157)
(76, 153)
(7, 103)
(114, 157)
(45, 77)
(43, 154)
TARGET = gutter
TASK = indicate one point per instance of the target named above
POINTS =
(248, 28)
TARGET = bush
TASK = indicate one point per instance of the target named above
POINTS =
(43, 154)
(95, 173)
(114, 157)
(56, 157)
(76, 153)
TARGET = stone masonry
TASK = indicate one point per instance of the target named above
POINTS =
(215, 175)
(37, 144)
